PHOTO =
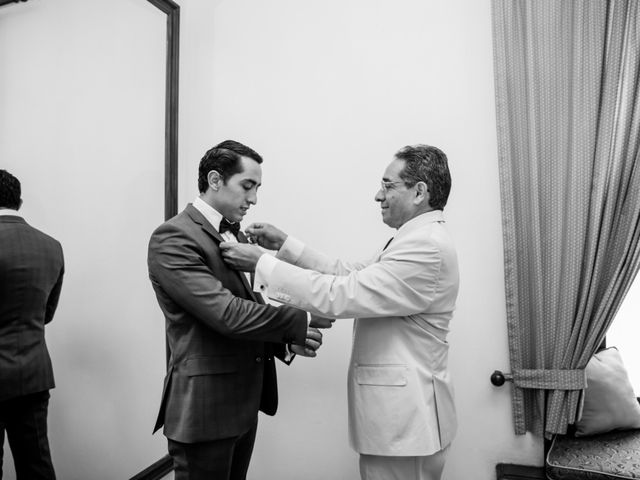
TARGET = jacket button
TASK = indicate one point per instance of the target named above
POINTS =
(258, 359)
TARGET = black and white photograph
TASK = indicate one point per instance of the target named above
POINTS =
(319, 240)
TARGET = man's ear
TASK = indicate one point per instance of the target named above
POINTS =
(19, 205)
(422, 192)
(214, 179)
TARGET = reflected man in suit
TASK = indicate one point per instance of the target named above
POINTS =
(222, 337)
(31, 271)
(401, 408)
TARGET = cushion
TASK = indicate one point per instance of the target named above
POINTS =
(608, 456)
(609, 400)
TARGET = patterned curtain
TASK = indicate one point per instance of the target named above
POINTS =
(568, 120)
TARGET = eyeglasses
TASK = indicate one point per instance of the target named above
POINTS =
(386, 186)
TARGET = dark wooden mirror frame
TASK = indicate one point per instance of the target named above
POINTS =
(172, 10)
(165, 465)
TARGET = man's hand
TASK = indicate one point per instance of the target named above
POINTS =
(240, 256)
(312, 343)
(321, 322)
(265, 235)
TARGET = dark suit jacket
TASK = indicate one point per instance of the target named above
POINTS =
(31, 270)
(221, 337)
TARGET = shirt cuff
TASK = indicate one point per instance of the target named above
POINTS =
(291, 249)
(288, 354)
(264, 269)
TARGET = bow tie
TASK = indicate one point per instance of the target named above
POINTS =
(227, 226)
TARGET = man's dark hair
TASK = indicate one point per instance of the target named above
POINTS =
(9, 191)
(427, 164)
(224, 158)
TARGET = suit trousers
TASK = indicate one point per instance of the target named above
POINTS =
(376, 467)
(223, 459)
(24, 419)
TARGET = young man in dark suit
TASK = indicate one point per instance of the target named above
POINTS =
(31, 270)
(222, 337)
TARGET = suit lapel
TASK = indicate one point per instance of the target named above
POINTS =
(198, 218)
(255, 296)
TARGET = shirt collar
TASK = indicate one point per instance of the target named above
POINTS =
(9, 212)
(211, 214)
(423, 219)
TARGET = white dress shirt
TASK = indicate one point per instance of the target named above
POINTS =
(292, 247)
(9, 212)
(214, 218)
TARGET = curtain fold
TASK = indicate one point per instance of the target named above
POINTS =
(568, 122)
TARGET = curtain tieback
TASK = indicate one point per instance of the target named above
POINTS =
(546, 379)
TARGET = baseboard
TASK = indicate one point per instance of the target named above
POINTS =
(158, 470)
(508, 471)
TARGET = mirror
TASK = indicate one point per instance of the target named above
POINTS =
(89, 95)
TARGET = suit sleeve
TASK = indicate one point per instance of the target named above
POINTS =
(54, 295)
(184, 282)
(403, 282)
(297, 253)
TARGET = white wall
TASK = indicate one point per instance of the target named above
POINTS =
(624, 332)
(327, 91)
(82, 126)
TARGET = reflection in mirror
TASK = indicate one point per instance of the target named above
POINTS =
(82, 125)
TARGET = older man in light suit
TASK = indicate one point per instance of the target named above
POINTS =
(401, 408)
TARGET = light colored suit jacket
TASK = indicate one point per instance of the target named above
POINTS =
(400, 392)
